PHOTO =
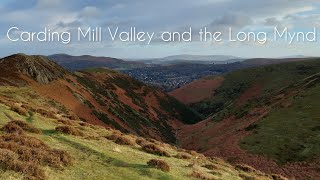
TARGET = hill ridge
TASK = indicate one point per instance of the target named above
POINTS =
(36, 67)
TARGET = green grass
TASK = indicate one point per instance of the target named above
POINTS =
(270, 78)
(289, 134)
(100, 158)
(100, 70)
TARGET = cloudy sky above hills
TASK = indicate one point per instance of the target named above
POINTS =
(165, 15)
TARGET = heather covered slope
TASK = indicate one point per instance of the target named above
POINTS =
(267, 117)
(40, 139)
(198, 90)
(100, 96)
(131, 106)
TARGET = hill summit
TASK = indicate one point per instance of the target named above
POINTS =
(37, 68)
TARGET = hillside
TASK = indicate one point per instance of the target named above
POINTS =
(100, 96)
(34, 146)
(172, 75)
(266, 117)
(74, 63)
(55, 125)
(198, 90)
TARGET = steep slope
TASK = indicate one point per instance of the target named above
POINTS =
(43, 134)
(266, 117)
(34, 67)
(34, 146)
(74, 63)
(198, 90)
(100, 96)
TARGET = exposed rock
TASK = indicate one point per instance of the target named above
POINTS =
(38, 68)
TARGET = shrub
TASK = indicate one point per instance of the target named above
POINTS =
(192, 152)
(141, 141)
(18, 109)
(25, 154)
(9, 161)
(200, 175)
(65, 122)
(278, 177)
(25, 126)
(183, 156)
(118, 139)
(12, 128)
(153, 141)
(45, 113)
(159, 164)
(153, 149)
(210, 166)
(245, 168)
(69, 130)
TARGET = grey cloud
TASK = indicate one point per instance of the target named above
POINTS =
(90, 12)
(72, 24)
(272, 22)
(154, 15)
(230, 20)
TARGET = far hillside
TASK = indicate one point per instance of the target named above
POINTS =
(74, 63)
(267, 117)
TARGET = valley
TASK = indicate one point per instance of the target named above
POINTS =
(88, 124)
(254, 119)
(265, 117)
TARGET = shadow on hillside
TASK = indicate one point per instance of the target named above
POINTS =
(105, 159)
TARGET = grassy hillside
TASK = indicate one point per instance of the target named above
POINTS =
(263, 81)
(295, 126)
(43, 143)
(267, 117)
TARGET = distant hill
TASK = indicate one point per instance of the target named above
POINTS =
(267, 117)
(179, 73)
(74, 63)
(196, 59)
(269, 61)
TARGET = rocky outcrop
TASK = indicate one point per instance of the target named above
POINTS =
(38, 68)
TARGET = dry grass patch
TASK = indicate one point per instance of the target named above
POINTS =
(247, 176)
(65, 122)
(153, 141)
(200, 175)
(121, 140)
(10, 161)
(154, 149)
(69, 130)
(183, 156)
(141, 141)
(45, 113)
(245, 168)
(25, 126)
(278, 177)
(26, 154)
(159, 164)
(210, 166)
(18, 109)
(19, 127)
(12, 128)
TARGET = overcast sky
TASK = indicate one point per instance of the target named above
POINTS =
(156, 15)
